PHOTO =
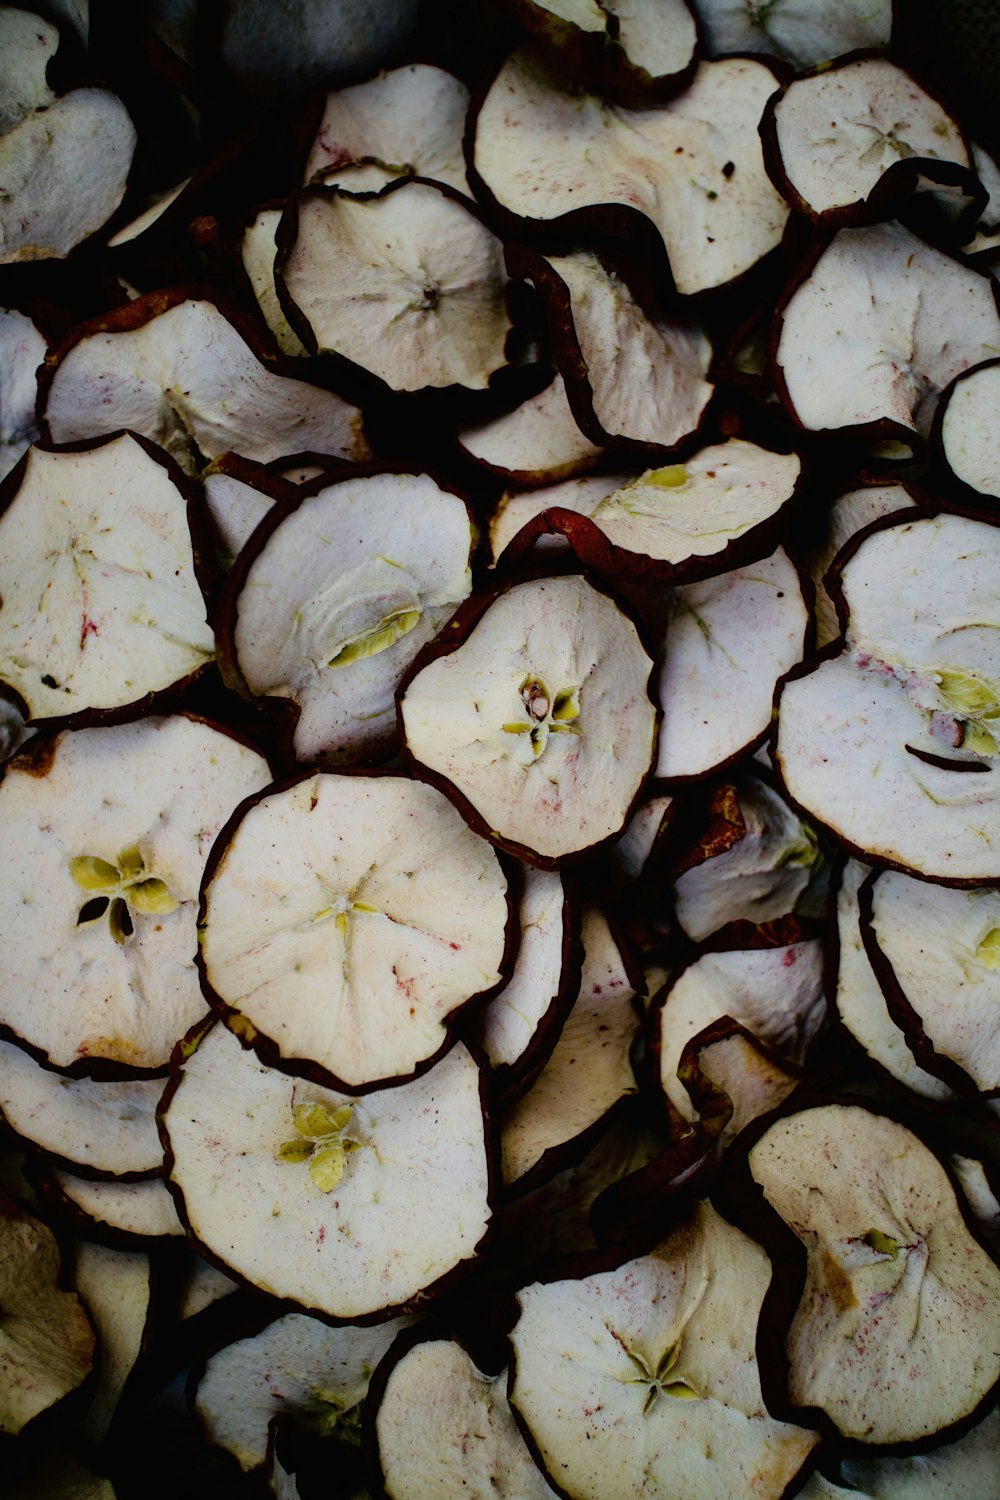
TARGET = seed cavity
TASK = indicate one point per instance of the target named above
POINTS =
(321, 1140)
(545, 712)
(119, 889)
(379, 637)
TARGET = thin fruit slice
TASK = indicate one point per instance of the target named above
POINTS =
(643, 1381)
(798, 31)
(109, 832)
(896, 1336)
(22, 350)
(380, 914)
(968, 432)
(693, 166)
(100, 604)
(435, 1397)
(539, 440)
(336, 598)
(540, 719)
(407, 1214)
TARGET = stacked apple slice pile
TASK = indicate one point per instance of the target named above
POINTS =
(499, 617)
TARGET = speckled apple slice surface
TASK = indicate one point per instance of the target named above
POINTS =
(694, 166)
(643, 1381)
(100, 601)
(541, 719)
(350, 1207)
(968, 429)
(339, 599)
(347, 918)
(109, 831)
(897, 1333)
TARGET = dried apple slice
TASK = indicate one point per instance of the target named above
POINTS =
(896, 1337)
(927, 318)
(532, 508)
(775, 993)
(643, 1380)
(589, 1073)
(432, 1399)
(732, 1079)
(22, 350)
(967, 432)
(295, 1365)
(100, 604)
(65, 160)
(91, 1126)
(849, 513)
(848, 143)
(963, 1470)
(177, 370)
(890, 743)
(409, 121)
(638, 48)
(258, 249)
(675, 523)
(935, 952)
(538, 440)
(755, 862)
(380, 914)
(539, 720)
(518, 1028)
(121, 1213)
(408, 283)
(631, 377)
(544, 150)
(333, 601)
(860, 1002)
(46, 1343)
(109, 832)
(238, 495)
(795, 30)
(253, 1161)
(728, 641)
(115, 1287)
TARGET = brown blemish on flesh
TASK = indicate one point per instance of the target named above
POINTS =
(838, 1284)
(37, 759)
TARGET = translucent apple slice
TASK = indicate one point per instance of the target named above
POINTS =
(775, 993)
(64, 160)
(589, 1073)
(409, 284)
(896, 1336)
(927, 318)
(379, 915)
(643, 1381)
(22, 350)
(631, 377)
(755, 861)
(967, 430)
(109, 831)
(860, 1002)
(411, 120)
(100, 604)
(46, 1343)
(261, 1197)
(543, 150)
(104, 1128)
(178, 371)
(841, 137)
(797, 31)
(334, 600)
(539, 440)
(890, 743)
(433, 1399)
(540, 719)
(296, 1365)
(936, 952)
(728, 641)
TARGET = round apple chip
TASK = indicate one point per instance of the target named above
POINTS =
(643, 1381)
(108, 832)
(354, 1208)
(540, 721)
(896, 1336)
(407, 283)
(345, 919)
(99, 604)
(336, 599)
